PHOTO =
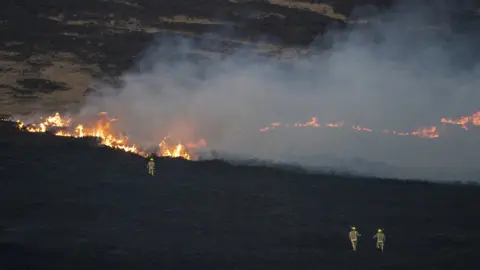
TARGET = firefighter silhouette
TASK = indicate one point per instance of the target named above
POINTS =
(380, 236)
(151, 167)
(353, 236)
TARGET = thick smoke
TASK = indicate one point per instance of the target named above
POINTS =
(406, 69)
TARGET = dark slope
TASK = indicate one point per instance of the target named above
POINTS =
(66, 204)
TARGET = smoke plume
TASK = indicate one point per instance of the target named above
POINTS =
(406, 68)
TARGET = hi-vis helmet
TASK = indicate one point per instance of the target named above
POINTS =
(151, 159)
(379, 230)
(353, 228)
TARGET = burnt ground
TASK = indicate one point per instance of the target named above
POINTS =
(69, 204)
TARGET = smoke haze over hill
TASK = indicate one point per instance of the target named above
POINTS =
(406, 69)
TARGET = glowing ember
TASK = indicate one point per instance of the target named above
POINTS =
(101, 128)
(339, 124)
(476, 119)
(359, 128)
(271, 126)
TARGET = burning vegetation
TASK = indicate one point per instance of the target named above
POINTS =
(102, 127)
(429, 132)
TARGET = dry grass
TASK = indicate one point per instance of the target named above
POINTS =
(323, 9)
(185, 19)
(127, 3)
(259, 45)
(68, 69)
(63, 67)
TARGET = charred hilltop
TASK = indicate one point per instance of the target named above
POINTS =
(68, 203)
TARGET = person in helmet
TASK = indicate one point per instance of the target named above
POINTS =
(151, 166)
(380, 236)
(353, 235)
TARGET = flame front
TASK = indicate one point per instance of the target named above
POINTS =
(429, 132)
(463, 121)
(101, 128)
(177, 151)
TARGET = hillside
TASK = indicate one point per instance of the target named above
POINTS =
(68, 204)
(52, 51)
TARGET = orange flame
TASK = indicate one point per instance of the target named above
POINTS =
(311, 123)
(102, 129)
(359, 128)
(430, 132)
(339, 124)
(271, 126)
(463, 121)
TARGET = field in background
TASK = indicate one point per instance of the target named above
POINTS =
(49, 57)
